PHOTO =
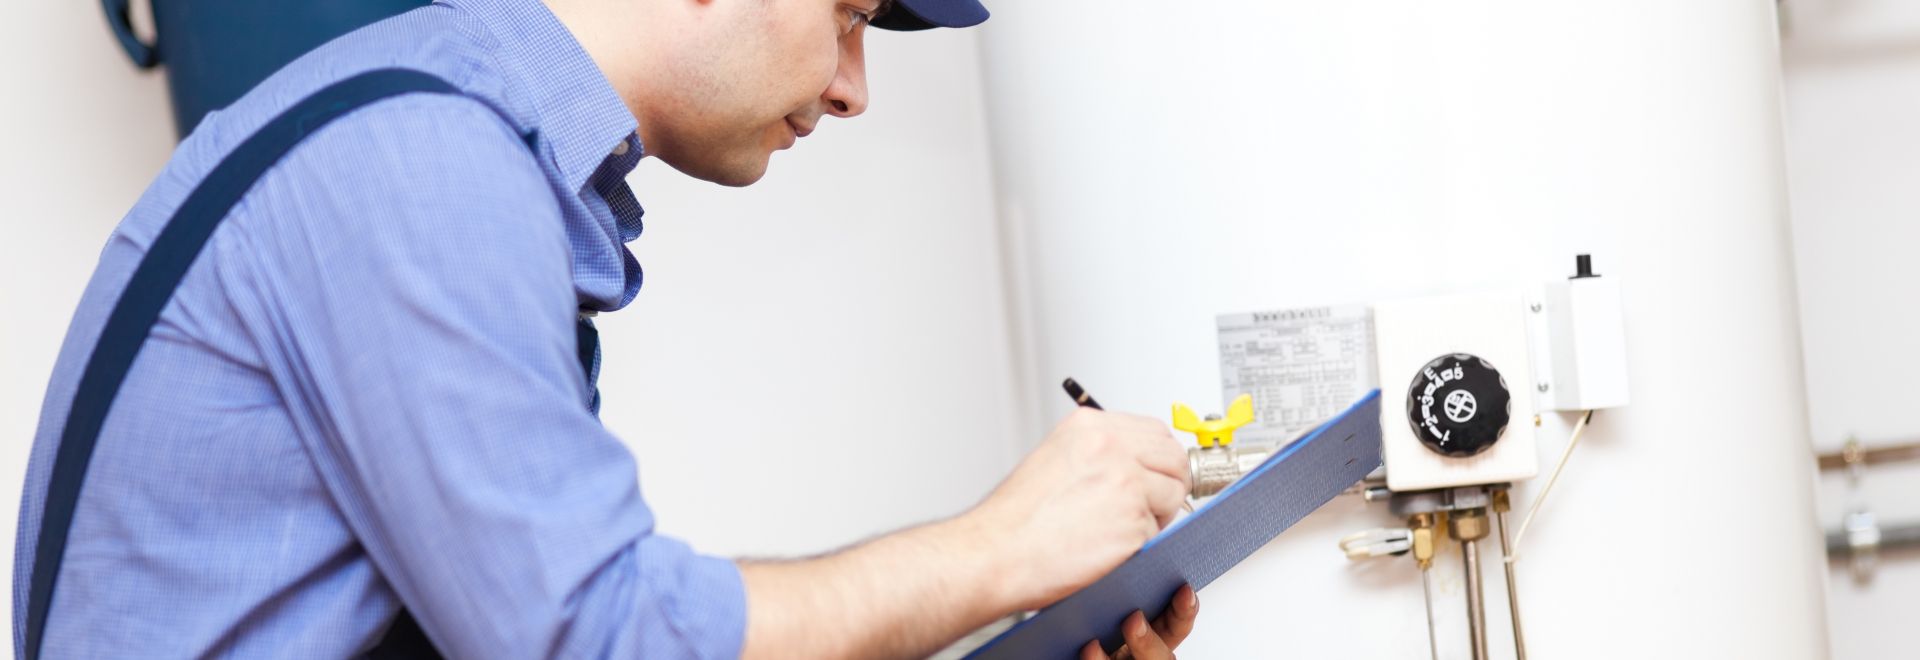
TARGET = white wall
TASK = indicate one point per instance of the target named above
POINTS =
(86, 134)
(1853, 129)
(813, 360)
(1160, 165)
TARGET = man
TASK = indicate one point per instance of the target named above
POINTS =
(362, 415)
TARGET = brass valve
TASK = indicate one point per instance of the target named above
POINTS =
(1470, 525)
(1422, 525)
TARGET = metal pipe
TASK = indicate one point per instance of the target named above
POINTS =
(1476, 611)
(1513, 591)
(1898, 536)
(1856, 453)
(1426, 585)
(1421, 527)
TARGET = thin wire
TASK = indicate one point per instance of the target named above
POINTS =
(1426, 586)
(1572, 442)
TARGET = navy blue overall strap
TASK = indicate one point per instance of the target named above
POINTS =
(152, 285)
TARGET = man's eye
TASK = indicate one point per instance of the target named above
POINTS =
(855, 18)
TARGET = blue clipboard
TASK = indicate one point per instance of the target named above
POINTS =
(1199, 548)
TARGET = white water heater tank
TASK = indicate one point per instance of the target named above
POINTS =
(1159, 165)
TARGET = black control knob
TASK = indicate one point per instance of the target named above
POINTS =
(1458, 405)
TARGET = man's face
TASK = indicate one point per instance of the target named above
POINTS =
(770, 71)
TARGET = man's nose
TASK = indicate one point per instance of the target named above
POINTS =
(847, 95)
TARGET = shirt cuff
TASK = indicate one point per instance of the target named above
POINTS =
(701, 600)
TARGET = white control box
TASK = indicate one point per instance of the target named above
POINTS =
(1411, 333)
(1587, 340)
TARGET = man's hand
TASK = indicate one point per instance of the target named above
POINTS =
(1101, 485)
(1155, 642)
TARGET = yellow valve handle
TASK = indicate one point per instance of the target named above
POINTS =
(1214, 431)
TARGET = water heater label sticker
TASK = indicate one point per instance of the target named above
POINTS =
(1301, 366)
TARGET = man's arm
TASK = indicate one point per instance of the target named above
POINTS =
(419, 299)
(1096, 489)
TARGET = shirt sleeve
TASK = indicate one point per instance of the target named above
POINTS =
(418, 301)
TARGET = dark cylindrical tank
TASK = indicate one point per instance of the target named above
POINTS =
(216, 50)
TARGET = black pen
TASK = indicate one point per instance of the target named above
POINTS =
(1080, 396)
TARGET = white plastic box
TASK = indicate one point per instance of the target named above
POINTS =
(1586, 335)
(1409, 334)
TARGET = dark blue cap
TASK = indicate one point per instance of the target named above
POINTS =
(907, 15)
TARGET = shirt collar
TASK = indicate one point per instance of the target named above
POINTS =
(578, 114)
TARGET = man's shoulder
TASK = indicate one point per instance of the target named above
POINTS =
(431, 168)
(423, 140)
(421, 192)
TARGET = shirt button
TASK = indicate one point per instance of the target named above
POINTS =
(620, 149)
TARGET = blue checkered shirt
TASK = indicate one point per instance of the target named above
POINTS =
(366, 392)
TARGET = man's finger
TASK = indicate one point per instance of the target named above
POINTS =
(1149, 528)
(1142, 642)
(1165, 497)
(1156, 449)
(1176, 623)
(1092, 651)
